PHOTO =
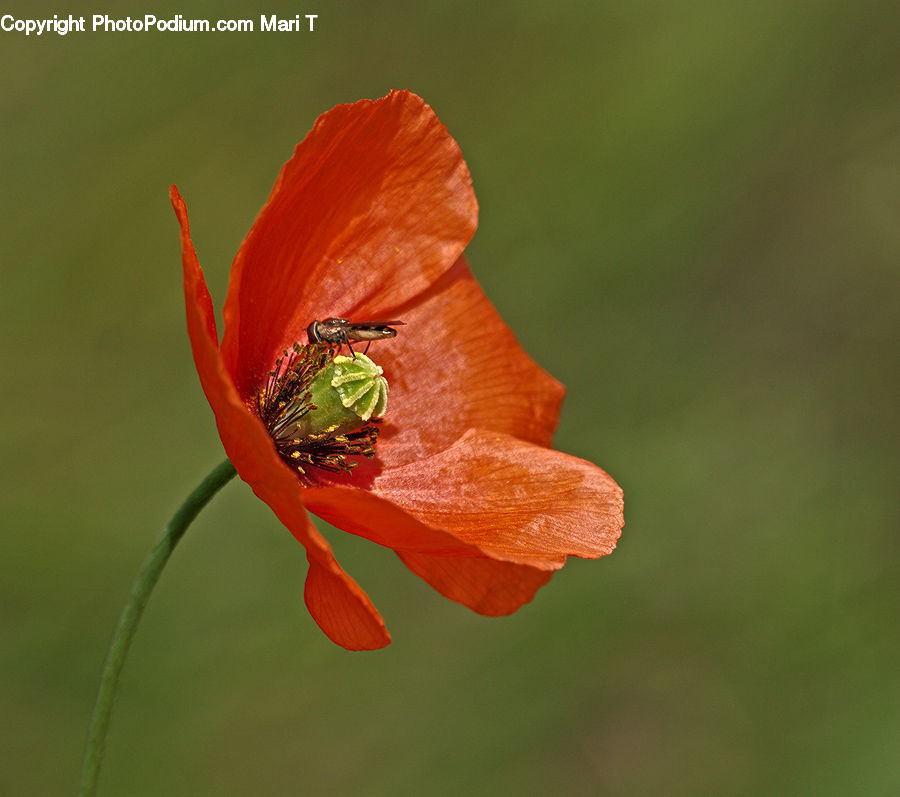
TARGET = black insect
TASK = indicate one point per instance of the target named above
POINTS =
(339, 331)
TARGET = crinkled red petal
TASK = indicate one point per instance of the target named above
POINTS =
(378, 519)
(455, 366)
(507, 499)
(336, 602)
(484, 585)
(374, 206)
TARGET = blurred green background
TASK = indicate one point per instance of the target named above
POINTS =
(688, 215)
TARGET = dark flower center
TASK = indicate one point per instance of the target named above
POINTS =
(307, 435)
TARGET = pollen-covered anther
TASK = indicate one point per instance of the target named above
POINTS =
(320, 409)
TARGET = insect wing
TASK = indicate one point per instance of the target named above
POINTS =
(372, 330)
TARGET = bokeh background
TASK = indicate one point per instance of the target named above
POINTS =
(688, 215)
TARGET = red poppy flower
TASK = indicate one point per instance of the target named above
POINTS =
(368, 220)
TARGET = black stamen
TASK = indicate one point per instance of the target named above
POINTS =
(285, 399)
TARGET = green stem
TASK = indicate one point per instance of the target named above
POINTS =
(131, 615)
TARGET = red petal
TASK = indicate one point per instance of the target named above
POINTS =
(377, 519)
(336, 602)
(484, 585)
(505, 498)
(375, 205)
(455, 366)
(334, 599)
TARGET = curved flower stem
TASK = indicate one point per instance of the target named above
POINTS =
(131, 615)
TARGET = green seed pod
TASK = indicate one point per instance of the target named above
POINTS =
(347, 394)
